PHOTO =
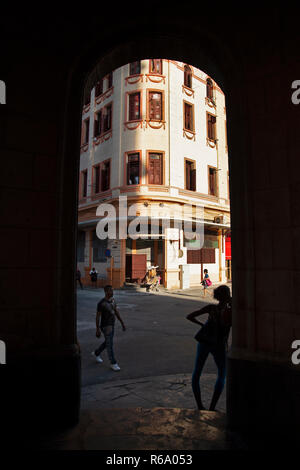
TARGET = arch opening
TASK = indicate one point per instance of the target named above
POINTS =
(150, 136)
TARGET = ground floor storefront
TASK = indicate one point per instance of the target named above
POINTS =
(180, 263)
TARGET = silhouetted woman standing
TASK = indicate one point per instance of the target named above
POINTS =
(212, 338)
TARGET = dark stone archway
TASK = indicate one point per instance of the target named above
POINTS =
(40, 136)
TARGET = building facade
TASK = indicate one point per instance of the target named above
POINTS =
(154, 148)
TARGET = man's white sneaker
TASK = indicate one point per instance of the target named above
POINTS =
(115, 367)
(98, 358)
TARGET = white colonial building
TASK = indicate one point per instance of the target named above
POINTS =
(154, 134)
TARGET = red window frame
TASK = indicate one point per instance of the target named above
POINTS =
(209, 89)
(188, 117)
(155, 111)
(96, 179)
(102, 164)
(211, 124)
(190, 174)
(131, 155)
(135, 67)
(212, 181)
(155, 66)
(134, 105)
(187, 76)
(151, 176)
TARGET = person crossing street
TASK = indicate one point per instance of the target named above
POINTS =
(107, 312)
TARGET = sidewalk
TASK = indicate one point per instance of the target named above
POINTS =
(167, 391)
(149, 413)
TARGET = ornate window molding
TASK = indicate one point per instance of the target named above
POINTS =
(191, 135)
(132, 79)
(211, 143)
(102, 138)
(210, 102)
(188, 120)
(155, 124)
(133, 109)
(133, 125)
(99, 99)
(103, 124)
(157, 109)
(154, 154)
(188, 91)
(211, 130)
(127, 155)
(155, 78)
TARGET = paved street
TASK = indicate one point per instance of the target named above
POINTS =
(156, 352)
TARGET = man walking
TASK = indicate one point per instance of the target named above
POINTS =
(107, 311)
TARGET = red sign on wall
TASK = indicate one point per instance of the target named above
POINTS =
(228, 247)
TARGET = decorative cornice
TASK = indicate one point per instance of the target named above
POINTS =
(104, 95)
(155, 78)
(132, 79)
(188, 91)
(155, 124)
(211, 103)
(211, 143)
(133, 125)
(102, 138)
(191, 135)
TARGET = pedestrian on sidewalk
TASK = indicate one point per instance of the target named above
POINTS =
(206, 281)
(78, 277)
(212, 338)
(107, 311)
(94, 276)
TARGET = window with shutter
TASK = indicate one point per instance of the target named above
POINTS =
(187, 76)
(212, 183)
(86, 131)
(107, 118)
(190, 175)
(135, 68)
(155, 168)
(155, 106)
(156, 66)
(211, 127)
(105, 176)
(188, 117)
(134, 106)
(209, 89)
(133, 168)
(96, 179)
(97, 123)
